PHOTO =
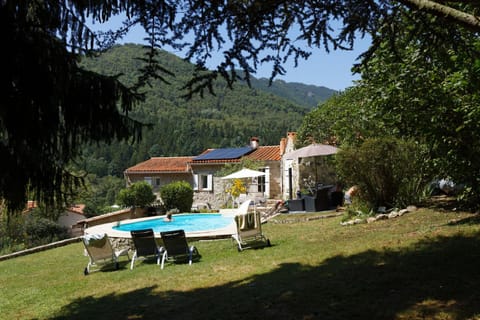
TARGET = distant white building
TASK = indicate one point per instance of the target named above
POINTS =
(71, 217)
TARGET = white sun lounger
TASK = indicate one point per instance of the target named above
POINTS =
(249, 231)
(100, 251)
(243, 209)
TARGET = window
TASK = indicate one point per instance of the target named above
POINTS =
(203, 182)
(149, 180)
(261, 184)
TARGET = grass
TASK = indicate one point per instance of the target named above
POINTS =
(424, 265)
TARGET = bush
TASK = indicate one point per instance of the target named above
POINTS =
(388, 171)
(21, 231)
(40, 231)
(139, 194)
(177, 195)
(358, 209)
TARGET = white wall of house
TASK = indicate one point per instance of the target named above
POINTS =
(290, 170)
(69, 219)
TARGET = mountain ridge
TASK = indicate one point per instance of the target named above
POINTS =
(308, 95)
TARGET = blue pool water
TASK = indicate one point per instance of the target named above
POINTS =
(187, 222)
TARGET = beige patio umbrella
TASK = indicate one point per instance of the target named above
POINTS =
(312, 150)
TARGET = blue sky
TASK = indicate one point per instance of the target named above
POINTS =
(331, 70)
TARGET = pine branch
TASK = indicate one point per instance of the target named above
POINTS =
(466, 19)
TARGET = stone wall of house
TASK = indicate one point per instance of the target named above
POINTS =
(219, 198)
(275, 181)
(212, 200)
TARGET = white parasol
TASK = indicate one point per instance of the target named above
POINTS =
(244, 173)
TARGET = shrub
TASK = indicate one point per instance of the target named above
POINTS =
(358, 209)
(177, 195)
(39, 231)
(388, 171)
(237, 188)
(25, 230)
(139, 194)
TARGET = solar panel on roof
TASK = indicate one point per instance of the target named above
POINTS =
(225, 153)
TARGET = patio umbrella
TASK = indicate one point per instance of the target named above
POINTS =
(244, 173)
(313, 150)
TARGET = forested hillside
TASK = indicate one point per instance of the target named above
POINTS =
(303, 94)
(187, 127)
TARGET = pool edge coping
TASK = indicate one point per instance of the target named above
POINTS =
(107, 228)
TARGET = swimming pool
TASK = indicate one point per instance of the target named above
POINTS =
(200, 225)
(187, 222)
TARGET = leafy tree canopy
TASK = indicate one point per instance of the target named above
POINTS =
(430, 94)
(427, 94)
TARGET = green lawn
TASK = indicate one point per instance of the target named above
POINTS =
(424, 265)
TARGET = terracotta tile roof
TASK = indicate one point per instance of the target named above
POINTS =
(265, 153)
(161, 164)
(77, 208)
(180, 164)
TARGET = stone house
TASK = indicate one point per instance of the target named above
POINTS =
(202, 171)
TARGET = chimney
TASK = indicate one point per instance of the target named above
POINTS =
(283, 145)
(291, 139)
(254, 142)
(292, 136)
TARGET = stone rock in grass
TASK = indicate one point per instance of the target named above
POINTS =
(351, 222)
(393, 214)
(371, 219)
(412, 208)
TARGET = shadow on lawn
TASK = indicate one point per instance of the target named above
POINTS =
(435, 278)
(473, 220)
